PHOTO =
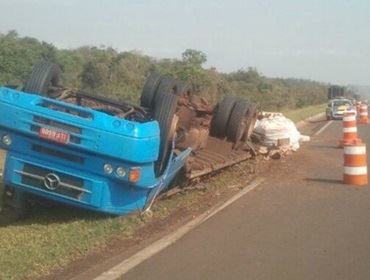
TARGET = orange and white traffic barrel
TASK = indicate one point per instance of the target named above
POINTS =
(355, 165)
(358, 105)
(349, 130)
(363, 114)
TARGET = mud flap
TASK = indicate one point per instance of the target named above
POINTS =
(176, 163)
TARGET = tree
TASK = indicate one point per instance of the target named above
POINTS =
(91, 76)
(194, 57)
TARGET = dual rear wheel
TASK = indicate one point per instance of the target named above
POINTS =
(234, 119)
(160, 95)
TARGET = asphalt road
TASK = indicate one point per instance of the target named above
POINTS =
(301, 223)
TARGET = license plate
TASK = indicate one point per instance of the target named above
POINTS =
(2, 162)
(53, 135)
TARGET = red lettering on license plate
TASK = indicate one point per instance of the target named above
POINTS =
(56, 136)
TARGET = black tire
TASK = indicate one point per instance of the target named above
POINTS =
(165, 104)
(182, 88)
(21, 205)
(222, 116)
(237, 122)
(149, 90)
(252, 115)
(165, 87)
(43, 75)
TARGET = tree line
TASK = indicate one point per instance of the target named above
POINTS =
(121, 75)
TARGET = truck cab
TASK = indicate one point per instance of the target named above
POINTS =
(77, 151)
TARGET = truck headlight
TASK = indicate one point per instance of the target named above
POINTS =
(121, 172)
(108, 169)
(7, 140)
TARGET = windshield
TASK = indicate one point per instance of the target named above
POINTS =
(342, 103)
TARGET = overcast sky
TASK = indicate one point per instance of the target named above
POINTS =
(325, 40)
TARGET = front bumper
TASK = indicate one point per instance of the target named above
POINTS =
(340, 115)
(72, 187)
(84, 189)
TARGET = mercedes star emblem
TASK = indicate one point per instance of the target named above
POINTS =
(51, 181)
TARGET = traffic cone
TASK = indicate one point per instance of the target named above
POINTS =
(355, 164)
(358, 105)
(363, 114)
(349, 130)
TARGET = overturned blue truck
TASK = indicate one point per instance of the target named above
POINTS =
(72, 147)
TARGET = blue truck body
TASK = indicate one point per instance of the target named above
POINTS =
(95, 140)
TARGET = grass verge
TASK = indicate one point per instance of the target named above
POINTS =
(304, 113)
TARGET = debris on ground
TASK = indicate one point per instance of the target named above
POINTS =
(275, 136)
(176, 190)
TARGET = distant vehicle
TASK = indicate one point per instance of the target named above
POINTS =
(335, 92)
(337, 107)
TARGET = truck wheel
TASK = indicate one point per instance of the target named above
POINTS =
(165, 104)
(43, 75)
(237, 122)
(252, 115)
(149, 90)
(20, 205)
(222, 116)
(182, 88)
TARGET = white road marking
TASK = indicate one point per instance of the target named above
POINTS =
(323, 128)
(128, 264)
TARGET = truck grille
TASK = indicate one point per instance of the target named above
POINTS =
(52, 181)
(58, 154)
(41, 121)
(60, 108)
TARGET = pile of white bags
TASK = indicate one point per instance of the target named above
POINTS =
(277, 128)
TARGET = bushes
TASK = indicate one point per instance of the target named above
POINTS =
(121, 75)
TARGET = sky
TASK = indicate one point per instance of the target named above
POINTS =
(323, 40)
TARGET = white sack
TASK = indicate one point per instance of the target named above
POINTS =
(270, 130)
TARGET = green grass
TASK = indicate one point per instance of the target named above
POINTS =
(304, 113)
(51, 238)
